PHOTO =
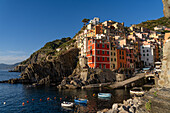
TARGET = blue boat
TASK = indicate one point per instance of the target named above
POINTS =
(104, 95)
(82, 101)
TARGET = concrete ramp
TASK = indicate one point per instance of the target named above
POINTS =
(127, 81)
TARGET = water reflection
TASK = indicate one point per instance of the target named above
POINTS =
(94, 103)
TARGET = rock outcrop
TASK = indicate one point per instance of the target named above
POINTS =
(50, 72)
(165, 73)
(166, 10)
(88, 78)
(47, 52)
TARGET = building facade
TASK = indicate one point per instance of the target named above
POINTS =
(98, 53)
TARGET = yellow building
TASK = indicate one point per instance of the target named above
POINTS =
(113, 58)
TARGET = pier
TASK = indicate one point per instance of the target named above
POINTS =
(127, 81)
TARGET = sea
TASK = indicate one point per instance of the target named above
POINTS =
(12, 97)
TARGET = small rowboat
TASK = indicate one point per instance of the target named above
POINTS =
(82, 101)
(137, 91)
(67, 104)
(104, 95)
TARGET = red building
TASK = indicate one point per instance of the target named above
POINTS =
(98, 53)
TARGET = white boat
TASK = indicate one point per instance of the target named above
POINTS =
(104, 95)
(137, 91)
(67, 104)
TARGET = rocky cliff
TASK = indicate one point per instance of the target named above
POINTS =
(50, 71)
(46, 52)
(166, 10)
(165, 74)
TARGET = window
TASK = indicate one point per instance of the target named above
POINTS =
(90, 47)
(90, 41)
(100, 66)
(104, 66)
(120, 57)
(107, 59)
(147, 50)
(147, 54)
(103, 58)
(113, 66)
(98, 45)
(108, 52)
(111, 53)
(98, 58)
(120, 64)
(143, 50)
(107, 46)
(122, 53)
(143, 54)
(98, 52)
(111, 59)
(114, 48)
(115, 59)
(147, 59)
(102, 45)
(102, 52)
(114, 54)
(90, 52)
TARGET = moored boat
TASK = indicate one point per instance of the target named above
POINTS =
(104, 95)
(83, 101)
(137, 91)
(67, 104)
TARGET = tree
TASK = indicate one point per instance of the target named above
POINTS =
(85, 21)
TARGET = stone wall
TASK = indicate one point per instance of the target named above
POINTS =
(166, 10)
(165, 74)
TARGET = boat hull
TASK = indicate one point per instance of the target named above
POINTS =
(104, 95)
(69, 104)
(82, 101)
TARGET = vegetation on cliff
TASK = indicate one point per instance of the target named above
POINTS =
(49, 49)
(150, 24)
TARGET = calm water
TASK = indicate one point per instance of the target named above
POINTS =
(15, 94)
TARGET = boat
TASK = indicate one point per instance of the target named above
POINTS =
(137, 91)
(104, 95)
(82, 101)
(67, 104)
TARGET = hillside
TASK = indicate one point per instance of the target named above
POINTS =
(150, 24)
(49, 49)
(46, 53)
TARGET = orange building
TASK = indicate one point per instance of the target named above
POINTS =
(98, 54)
(121, 58)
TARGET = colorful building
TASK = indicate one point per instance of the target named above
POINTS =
(121, 58)
(113, 57)
(98, 53)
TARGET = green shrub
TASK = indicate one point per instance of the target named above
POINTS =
(155, 94)
(148, 105)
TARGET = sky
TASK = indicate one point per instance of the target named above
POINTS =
(26, 25)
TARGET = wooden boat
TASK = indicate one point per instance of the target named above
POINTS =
(67, 104)
(104, 95)
(82, 101)
(137, 91)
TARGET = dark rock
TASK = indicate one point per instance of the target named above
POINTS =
(50, 72)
